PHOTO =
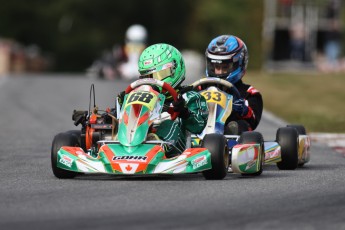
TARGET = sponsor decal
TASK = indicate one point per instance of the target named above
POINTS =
(148, 62)
(168, 65)
(216, 61)
(199, 161)
(130, 158)
(250, 164)
(65, 160)
(101, 126)
(272, 154)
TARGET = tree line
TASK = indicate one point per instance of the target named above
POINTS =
(76, 32)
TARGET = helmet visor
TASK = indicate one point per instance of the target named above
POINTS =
(220, 68)
(160, 73)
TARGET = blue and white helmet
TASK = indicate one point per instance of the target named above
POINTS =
(226, 58)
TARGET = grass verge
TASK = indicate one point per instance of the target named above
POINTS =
(315, 100)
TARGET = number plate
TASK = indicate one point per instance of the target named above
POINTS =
(147, 99)
(214, 96)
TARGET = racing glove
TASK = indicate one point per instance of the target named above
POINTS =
(240, 107)
(180, 106)
(121, 97)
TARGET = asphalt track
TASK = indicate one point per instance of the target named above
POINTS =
(33, 109)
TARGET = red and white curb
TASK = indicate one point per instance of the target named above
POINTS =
(334, 140)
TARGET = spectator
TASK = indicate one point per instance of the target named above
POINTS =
(297, 42)
(331, 62)
(332, 47)
(122, 60)
(135, 43)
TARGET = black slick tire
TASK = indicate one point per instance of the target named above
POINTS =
(62, 139)
(287, 138)
(301, 131)
(216, 144)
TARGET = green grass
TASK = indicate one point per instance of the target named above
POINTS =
(315, 100)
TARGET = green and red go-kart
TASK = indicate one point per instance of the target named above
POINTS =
(124, 146)
(248, 151)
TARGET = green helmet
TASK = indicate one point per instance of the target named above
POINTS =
(162, 62)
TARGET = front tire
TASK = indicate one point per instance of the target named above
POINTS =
(76, 133)
(216, 145)
(62, 139)
(287, 138)
(254, 137)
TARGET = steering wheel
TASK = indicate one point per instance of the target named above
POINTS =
(214, 81)
(164, 85)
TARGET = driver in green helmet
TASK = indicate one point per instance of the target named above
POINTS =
(164, 62)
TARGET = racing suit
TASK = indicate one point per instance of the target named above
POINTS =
(174, 132)
(253, 100)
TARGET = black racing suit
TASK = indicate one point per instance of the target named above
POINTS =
(253, 100)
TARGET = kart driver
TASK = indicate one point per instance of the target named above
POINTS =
(227, 58)
(164, 62)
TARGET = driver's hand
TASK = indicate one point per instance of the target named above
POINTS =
(121, 97)
(180, 106)
(239, 106)
(156, 88)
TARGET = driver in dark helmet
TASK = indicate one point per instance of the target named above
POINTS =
(227, 58)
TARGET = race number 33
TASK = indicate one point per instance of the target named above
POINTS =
(212, 96)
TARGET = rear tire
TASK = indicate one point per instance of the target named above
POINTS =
(301, 131)
(254, 137)
(287, 138)
(62, 139)
(217, 145)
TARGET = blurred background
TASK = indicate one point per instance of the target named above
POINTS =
(68, 36)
